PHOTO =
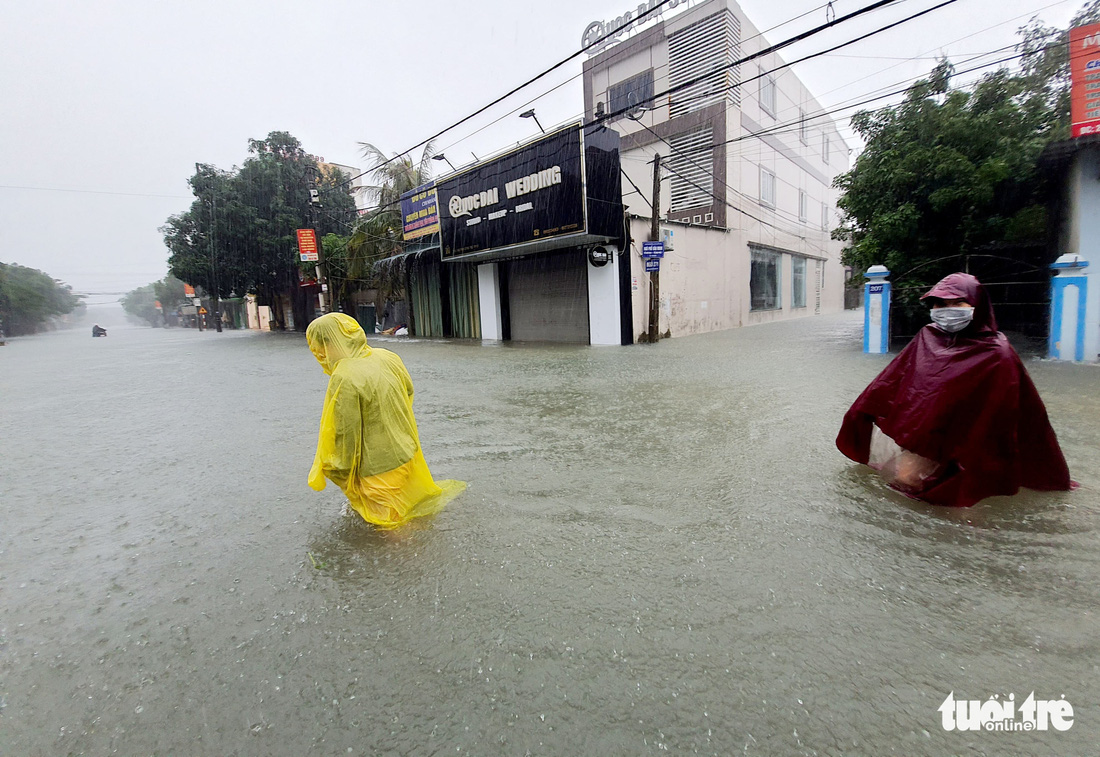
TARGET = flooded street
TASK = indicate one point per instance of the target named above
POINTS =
(660, 551)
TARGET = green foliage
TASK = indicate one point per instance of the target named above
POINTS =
(239, 235)
(379, 233)
(141, 303)
(29, 298)
(950, 171)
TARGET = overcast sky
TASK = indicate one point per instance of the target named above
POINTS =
(108, 105)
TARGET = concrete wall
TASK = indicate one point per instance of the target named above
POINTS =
(603, 304)
(705, 282)
(488, 292)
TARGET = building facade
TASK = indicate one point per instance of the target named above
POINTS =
(747, 161)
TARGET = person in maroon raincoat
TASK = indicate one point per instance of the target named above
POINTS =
(955, 417)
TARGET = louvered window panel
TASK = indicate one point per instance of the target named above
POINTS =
(706, 46)
(691, 166)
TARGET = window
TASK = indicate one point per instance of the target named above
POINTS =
(798, 282)
(637, 90)
(824, 216)
(803, 131)
(767, 95)
(803, 206)
(767, 187)
(825, 148)
(701, 58)
(691, 166)
(764, 281)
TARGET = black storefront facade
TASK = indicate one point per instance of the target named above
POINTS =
(524, 246)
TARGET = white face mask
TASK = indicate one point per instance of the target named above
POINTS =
(952, 319)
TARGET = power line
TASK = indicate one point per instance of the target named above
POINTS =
(613, 33)
(609, 116)
(577, 76)
(753, 56)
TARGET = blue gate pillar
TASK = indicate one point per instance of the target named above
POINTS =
(1068, 301)
(876, 311)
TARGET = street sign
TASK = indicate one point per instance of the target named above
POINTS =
(196, 301)
(875, 289)
(653, 265)
(202, 311)
(653, 250)
(307, 245)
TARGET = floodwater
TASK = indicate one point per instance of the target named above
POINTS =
(660, 551)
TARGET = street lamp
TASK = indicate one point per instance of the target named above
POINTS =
(441, 156)
(531, 114)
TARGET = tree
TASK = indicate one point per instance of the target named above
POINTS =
(239, 235)
(379, 234)
(29, 299)
(949, 171)
(141, 303)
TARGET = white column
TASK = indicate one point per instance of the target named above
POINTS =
(488, 292)
(604, 322)
(876, 311)
(1069, 323)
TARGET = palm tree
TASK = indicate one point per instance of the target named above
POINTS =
(378, 233)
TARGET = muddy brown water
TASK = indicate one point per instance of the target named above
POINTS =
(660, 551)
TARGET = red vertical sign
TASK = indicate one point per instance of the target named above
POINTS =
(1084, 74)
(307, 245)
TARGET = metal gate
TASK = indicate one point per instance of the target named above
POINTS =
(1018, 286)
(548, 298)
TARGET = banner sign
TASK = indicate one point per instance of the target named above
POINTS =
(533, 193)
(420, 212)
(1084, 73)
(188, 290)
(307, 245)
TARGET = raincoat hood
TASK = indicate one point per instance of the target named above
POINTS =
(963, 286)
(335, 336)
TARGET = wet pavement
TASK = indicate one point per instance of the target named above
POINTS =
(660, 551)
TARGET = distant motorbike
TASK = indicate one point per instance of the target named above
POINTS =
(98, 330)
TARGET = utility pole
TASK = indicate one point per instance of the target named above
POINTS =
(321, 268)
(655, 236)
(213, 258)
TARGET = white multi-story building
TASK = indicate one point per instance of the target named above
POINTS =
(747, 169)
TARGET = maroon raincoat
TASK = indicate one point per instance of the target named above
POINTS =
(965, 401)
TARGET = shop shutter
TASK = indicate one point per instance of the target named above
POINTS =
(548, 298)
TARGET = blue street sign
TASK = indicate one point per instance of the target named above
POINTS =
(653, 250)
(653, 265)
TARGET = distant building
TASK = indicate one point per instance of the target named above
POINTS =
(358, 183)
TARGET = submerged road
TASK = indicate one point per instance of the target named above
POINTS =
(660, 551)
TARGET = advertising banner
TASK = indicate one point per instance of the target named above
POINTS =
(533, 193)
(1084, 72)
(420, 212)
(188, 290)
(307, 245)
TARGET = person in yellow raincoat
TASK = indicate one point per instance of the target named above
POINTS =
(368, 444)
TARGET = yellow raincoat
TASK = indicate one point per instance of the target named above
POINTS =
(368, 444)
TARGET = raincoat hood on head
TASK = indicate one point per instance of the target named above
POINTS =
(335, 336)
(963, 286)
